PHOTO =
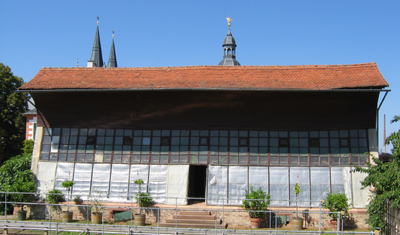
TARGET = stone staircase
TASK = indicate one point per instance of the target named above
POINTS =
(193, 219)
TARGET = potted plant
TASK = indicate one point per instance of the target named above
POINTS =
(78, 200)
(143, 199)
(54, 196)
(255, 203)
(337, 202)
(297, 222)
(67, 215)
(96, 208)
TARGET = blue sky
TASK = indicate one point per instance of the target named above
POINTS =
(39, 34)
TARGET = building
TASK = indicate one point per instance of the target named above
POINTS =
(206, 131)
(31, 121)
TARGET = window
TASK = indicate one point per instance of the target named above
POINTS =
(243, 142)
(165, 141)
(283, 142)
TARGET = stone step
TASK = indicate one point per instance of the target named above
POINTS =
(196, 217)
(194, 213)
(172, 225)
(191, 221)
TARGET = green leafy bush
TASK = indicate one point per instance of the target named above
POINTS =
(143, 199)
(16, 176)
(337, 202)
(28, 146)
(256, 200)
(54, 196)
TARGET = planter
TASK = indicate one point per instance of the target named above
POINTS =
(140, 219)
(66, 216)
(97, 217)
(21, 215)
(255, 222)
(334, 224)
(297, 223)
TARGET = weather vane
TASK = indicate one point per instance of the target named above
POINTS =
(113, 34)
(98, 20)
(229, 21)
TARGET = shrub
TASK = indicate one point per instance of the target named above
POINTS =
(143, 199)
(256, 200)
(337, 202)
(54, 196)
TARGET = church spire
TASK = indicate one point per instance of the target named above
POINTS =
(229, 46)
(96, 60)
(112, 59)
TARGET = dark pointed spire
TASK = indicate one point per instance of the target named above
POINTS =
(97, 56)
(112, 59)
(229, 46)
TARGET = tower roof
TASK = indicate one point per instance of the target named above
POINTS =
(112, 59)
(229, 40)
(97, 56)
(229, 46)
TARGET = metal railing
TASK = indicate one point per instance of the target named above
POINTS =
(52, 223)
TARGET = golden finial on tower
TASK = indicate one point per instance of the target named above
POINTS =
(98, 20)
(229, 21)
(113, 34)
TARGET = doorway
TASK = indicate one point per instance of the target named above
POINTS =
(197, 183)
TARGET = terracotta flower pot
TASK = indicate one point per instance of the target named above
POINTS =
(255, 222)
(334, 224)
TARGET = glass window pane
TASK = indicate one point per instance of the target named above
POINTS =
(175, 133)
(243, 134)
(204, 133)
(164, 159)
(274, 160)
(223, 141)
(213, 159)
(118, 140)
(233, 142)
(274, 142)
(203, 159)
(194, 140)
(214, 141)
(263, 133)
(109, 132)
(253, 133)
(146, 141)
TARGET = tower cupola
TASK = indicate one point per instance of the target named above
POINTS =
(229, 46)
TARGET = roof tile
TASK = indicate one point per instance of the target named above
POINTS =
(304, 77)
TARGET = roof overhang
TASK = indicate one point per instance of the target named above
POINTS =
(201, 89)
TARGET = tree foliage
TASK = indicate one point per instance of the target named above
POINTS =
(385, 178)
(28, 146)
(12, 122)
(16, 176)
(256, 200)
(337, 202)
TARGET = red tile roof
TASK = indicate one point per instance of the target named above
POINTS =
(308, 77)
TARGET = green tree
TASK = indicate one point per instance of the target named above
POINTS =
(385, 178)
(12, 122)
(16, 176)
